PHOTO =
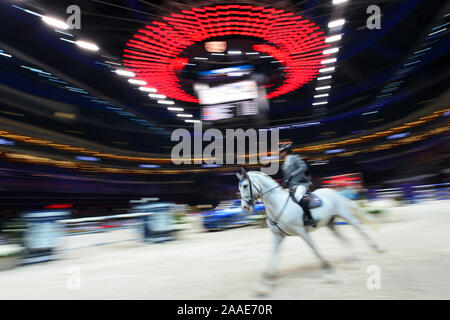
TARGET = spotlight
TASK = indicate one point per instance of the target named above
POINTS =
(87, 45)
(165, 102)
(330, 69)
(55, 22)
(339, 1)
(327, 61)
(146, 89)
(154, 95)
(125, 73)
(336, 23)
(328, 51)
(136, 81)
(333, 38)
(323, 88)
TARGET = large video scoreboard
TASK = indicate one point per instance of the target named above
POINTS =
(228, 94)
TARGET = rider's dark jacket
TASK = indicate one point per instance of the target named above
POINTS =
(294, 169)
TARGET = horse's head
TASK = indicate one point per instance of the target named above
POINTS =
(248, 191)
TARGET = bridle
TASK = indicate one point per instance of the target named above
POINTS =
(252, 200)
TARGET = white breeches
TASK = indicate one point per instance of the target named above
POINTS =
(299, 192)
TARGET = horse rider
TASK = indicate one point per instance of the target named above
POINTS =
(294, 177)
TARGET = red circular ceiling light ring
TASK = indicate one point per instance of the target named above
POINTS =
(153, 54)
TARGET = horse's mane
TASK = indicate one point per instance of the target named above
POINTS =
(263, 174)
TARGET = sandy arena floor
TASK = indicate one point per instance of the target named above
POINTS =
(228, 264)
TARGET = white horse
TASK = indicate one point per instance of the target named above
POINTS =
(285, 216)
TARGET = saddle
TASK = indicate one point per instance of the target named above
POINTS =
(312, 200)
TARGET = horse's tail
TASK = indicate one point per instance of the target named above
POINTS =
(361, 214)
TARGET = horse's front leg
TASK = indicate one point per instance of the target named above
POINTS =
(270, 271)
(268, 277)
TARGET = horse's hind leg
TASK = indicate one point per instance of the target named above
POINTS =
(305, 235)
(351, 256)
(352, 220)
(329, 276)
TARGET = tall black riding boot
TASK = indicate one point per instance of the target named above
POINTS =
(309, 219)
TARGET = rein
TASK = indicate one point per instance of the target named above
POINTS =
(275, 222)
(272, 222)
(270, 190)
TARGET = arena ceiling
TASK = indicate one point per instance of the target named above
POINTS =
(60, 104)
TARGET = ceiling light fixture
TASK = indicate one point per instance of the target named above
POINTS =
(155, 95)
(175, 109)
(165, 102)
(330, 51)
(323, 88)
(125, 73)
(339, 1)
(154, 51)
(148, 89)
(55, 22)
(336, 23)
(334, 38)
(327, 61)
(87, 45)
(330, 69)
(137, 81)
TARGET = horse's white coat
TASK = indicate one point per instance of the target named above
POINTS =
(289, 215)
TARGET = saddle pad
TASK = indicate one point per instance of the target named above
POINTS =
(314, 201)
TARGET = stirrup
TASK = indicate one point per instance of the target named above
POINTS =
(310, 222)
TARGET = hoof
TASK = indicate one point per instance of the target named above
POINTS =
(262, 291)
(268, 282)
(269, 276)
(330, 277)
(351, 259)
(261, 294)
(380, 250)
(327, 266)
